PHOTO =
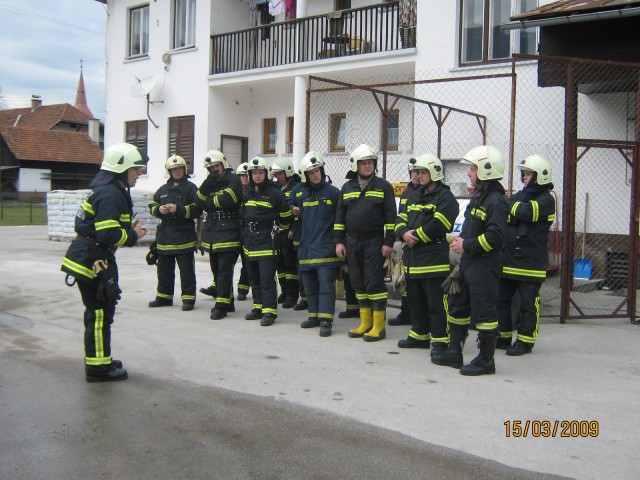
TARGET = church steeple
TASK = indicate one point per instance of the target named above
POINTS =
(81, 98)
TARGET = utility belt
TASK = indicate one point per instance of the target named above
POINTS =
(94, 241)
(222, 215)
(258, 226)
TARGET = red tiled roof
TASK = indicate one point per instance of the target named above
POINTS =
(567, 7)
(51, 145)
(44, 117)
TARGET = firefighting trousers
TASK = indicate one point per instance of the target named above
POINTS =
(243, 281)
(287, 266)
(222, 266)
(167, 276)
(366, 271)
(262, 275)
(349, 293)
(98, 318)
(528, 321)
(428, 309)
(320, 284)
(477, 302)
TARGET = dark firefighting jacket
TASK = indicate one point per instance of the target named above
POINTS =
(432, 215)
(318, 205)
(221, 199)
(366, 212)
(264, 207)
(102, 224)
(525, 255)
(289, 193)
(485, 222)
(295, 200)
(176, 234)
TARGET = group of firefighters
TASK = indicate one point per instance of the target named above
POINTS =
(302, 232)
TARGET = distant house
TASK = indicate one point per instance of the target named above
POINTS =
(48, 147)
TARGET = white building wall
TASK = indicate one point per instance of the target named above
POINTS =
(30, 180)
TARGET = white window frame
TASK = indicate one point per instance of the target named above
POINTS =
(139, 26)
(184, 24)
(488, 28)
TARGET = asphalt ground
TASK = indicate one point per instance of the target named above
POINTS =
(231, 399)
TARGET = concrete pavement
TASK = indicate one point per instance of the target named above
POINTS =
(584, 371)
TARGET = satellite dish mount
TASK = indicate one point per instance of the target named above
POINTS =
(142, 88)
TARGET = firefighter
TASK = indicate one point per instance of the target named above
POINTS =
(173, 204)
(318, 261)
(404, 317)
(220, 195)
(364, 232)
(243, 281)
(423, 222)
(265, 208)
(480, 243)
(525, 258)
(102, 224)
(286, 179)
(294, 237)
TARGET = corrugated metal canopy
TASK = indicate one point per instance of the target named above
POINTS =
(565, 8)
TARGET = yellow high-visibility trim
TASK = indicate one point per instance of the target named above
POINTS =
(524, 272)
(404, 216)
(479, 213)
(105, 224)
(258, 203)
(98, 339)
(224, 300)
(87, 207)
(443, 220)
(423, 236)
(201, 196)
(378, 296)
(76, 267)
(97, 361)
(220, 245)
(258, 253)
(123, 238)
(326, 315)
(417, 336)
(232, 193)
(291, 276)
(400, 225)
(168, 248)
(419, 207)
(164, 295)
(373, 193)
(339, 226)
(484, 244)
(551, 218)
(350, 195)
(459, 321)
(427, 269)
(535, 214)
(362, 296)
(487, 325)
(514, 208)
(390, 226)
(403, 201)
(286, 214)
(313, 261)
(125, 217)
(270, 310)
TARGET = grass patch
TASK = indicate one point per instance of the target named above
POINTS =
(20, 214)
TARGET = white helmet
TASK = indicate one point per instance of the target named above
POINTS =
(175, 161)
(430, 162)
(283, 164)
(363, 152)
(120, 157)
(215, 156)
(242, 169)
(489, 161)
(539, 165)
(258, 163)
(310, 161)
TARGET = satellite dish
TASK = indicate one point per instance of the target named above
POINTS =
(143, 86)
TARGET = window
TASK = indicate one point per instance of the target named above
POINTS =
(139, 31)
(337, 131)
(136, 134)
(269, 135)
(184, 23)
(289, 142)
(181, 139)
(393, 122)
(482, 38)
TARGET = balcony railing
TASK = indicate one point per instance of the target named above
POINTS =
(356, 31)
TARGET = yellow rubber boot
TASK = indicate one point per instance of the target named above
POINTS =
(377, 332)
(366, 322)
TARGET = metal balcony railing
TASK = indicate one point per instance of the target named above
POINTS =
(356, 31)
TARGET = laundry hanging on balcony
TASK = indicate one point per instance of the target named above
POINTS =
(407, 16)
(276, 7)
(265, 19)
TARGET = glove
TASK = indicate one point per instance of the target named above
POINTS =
(451, 284)
(152, 256)
(209, 184)
(108, 289)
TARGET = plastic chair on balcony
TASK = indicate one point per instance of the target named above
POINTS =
(357, 45)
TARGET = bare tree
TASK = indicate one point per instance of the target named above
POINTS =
(3, 104)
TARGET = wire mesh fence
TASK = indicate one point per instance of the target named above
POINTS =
(579, 114)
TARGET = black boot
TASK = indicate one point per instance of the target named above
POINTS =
(218, 313)
(210, 290)
(289, 302)
(187, 306)
(483, 364)
(255, 314)
(519, 348)
(105, 373)
(282, 297)
(350, 313)
(411, 342)
(242, 296)
(503, 343)
(301, 305)
(325, 328)
(311, 322)
(452, 356)
(160, 302)
(438, 348)
(267, 320)
(400, 319)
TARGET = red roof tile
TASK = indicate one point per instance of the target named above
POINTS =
(44, 117)
(51, 145)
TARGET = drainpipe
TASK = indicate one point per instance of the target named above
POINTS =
(299, 102)
(576, 18)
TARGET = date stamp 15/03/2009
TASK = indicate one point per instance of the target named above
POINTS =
(552, 428)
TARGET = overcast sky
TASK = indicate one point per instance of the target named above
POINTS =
(41, 45)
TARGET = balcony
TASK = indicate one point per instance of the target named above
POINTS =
(357, 31)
